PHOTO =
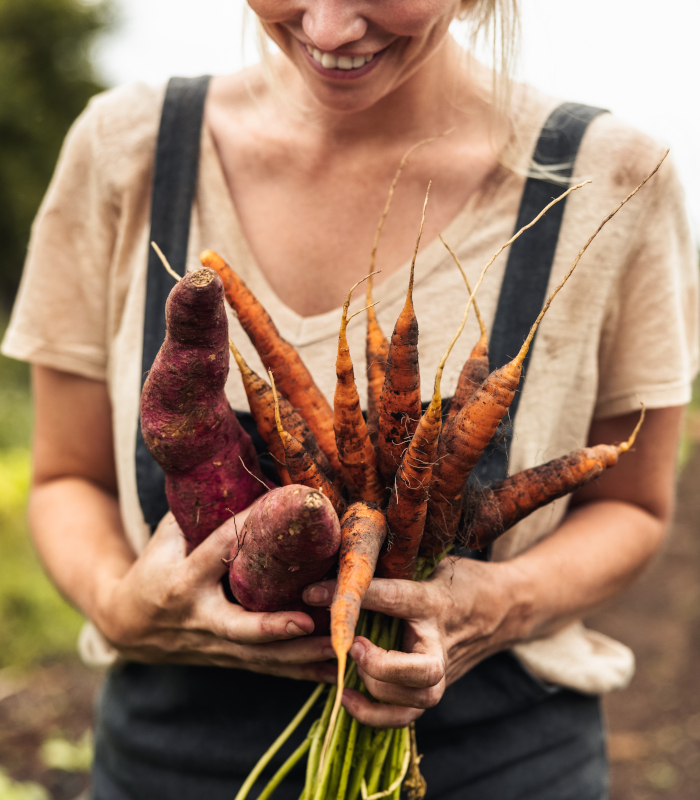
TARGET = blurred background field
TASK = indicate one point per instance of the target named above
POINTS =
(50, 52)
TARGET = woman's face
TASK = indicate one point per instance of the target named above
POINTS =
(351, 53)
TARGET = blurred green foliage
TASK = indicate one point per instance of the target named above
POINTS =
(47, 77)
(35, 622)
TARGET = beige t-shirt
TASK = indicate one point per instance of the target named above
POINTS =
(624, 329)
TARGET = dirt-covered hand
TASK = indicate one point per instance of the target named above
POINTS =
(171, 607)
(451, 622)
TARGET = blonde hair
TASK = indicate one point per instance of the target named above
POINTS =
(497, 24)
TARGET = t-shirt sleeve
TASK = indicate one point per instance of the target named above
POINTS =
(649, 345)
(61, 315)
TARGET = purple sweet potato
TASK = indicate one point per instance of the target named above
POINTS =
(289, 540)
(187, 423)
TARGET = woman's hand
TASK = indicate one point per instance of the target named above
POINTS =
(170, 607)
(458, 617)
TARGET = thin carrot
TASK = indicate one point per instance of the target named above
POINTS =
(399, 404)
(500, 508)
(476, 367)
(377, 345)
(300, 465)
(295, 380)
(475, 425)
(408, 504)
(376, 354)
(362, 533)
(262, 407)
(355, 449)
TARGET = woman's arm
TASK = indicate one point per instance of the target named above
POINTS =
(163, 605)
(470, 609)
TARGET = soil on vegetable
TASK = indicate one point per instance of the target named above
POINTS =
(654, 725)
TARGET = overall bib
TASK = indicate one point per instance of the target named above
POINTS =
(173, 732)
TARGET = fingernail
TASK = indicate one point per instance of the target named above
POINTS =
(317, 594)
(328, 652)
(357, 651)
(294, 630)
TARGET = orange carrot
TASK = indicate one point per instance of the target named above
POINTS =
(376, 354)
(262, 407)
(355, 449)
(408, 504)
(474, 426)
(476, 367)
(500, 508)
(377, 345)
(399, 404)
(295, 380)
(362, 533)
(301, 467)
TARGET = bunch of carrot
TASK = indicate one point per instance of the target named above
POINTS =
(398, 482)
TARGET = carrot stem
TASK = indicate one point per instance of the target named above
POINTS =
(279, 741)
(285, 769)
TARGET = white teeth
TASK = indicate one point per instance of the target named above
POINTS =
(329, 61)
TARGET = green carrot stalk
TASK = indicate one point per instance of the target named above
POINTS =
(349, 758)
(316, 744)
(381, 748)
(364, 752)
(281, 739)
(284, 770)
(324, 778)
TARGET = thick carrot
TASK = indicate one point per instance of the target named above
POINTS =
(262, 407)
(355, 449)
(295, 380)
(475, 425)
(399, 404)
(476, 367)
(300, 465)
(377, 345)
(362, 533)
(500, 508)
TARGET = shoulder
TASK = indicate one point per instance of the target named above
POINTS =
(116, 134)
(618, 157)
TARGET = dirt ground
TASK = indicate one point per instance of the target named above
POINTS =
(654, 725)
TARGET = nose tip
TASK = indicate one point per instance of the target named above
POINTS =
(331, 25)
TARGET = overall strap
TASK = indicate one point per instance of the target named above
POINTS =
(529, 265)
(174, 185)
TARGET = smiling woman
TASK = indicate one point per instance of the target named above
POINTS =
(284, 170)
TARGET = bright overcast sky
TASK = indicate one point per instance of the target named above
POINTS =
(639, 58)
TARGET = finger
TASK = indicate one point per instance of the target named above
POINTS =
(319, 594)
(398, 598)
(207, 562)
(403, 695)
(233, 623)
(378, 715)
(318, 671)
(421, 669)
